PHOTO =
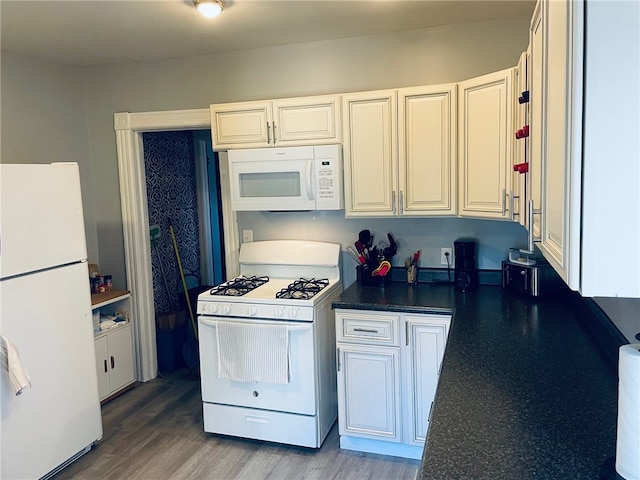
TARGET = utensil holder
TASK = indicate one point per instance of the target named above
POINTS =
(412, 274)
(365, 278)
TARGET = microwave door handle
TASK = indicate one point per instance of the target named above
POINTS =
(310, 179)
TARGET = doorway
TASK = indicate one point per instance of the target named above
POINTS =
(129, 128)
(183, 204)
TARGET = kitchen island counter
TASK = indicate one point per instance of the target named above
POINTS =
(525, 391)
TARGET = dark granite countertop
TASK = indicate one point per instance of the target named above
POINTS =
(525, 391)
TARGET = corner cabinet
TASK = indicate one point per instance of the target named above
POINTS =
(484, 135)
(400, 152)
(270, 123)
(388, 368)
(114, 347)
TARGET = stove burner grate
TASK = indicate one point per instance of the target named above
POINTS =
(303, 289)
(238, 286)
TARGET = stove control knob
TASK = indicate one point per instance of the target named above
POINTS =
(279, 311)
(213, 308)
(226, 309)
(294, 312)
(252, 311)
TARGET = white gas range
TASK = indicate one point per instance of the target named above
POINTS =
(267, 344)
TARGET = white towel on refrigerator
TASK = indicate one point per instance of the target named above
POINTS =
(251, 352)
(12, 364)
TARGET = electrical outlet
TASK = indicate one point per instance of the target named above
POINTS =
(443, 257)
(247, 236)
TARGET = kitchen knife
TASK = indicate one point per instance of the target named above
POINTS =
(358, 258)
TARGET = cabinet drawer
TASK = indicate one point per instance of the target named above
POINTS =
(367, 328)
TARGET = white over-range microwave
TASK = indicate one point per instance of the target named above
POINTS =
(286, 178)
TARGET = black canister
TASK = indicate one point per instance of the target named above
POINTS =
(466, 271)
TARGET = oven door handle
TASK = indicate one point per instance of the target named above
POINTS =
(212, 323)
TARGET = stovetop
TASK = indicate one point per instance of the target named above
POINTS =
(255, 289)
(239, 286)
(303, 288)
(271, 300)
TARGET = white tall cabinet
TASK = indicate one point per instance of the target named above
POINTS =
(484, 136)
(584, 170)
(562, 137)
(388, 369)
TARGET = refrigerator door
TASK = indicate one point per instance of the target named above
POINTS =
(41, 220)
(47, 316)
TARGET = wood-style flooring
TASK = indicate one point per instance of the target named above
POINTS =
(155, 432)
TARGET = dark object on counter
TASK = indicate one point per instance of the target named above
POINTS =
(534, 280)
(365, 277)
(465, 277)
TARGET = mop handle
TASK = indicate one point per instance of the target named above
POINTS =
(184, 282)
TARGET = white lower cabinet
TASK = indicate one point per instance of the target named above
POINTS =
(388, 368)
(114, 360)
(369, 392)
(114, 347)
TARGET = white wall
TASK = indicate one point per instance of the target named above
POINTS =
(44, 120)
(494, 238)
(419, 57)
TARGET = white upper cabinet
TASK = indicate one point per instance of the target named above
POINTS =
(584, 146)
(484, 136)
(370, 153)
(400, 152)
(536, 125)
(283, 122)
(562, 136)
(427, 150)
(520, 138)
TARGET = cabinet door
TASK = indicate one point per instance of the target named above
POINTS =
(102, 366)
(520, 145)
(120, 357)
(427, 150)
(426, 344)
(560, 240)
(370, 153)
(536, 123)
(301, 121)
(485, 145)
(241, 125)
(369, 392)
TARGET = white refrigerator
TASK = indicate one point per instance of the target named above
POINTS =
(45, 313)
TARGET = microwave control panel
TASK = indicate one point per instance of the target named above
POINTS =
(328, 175)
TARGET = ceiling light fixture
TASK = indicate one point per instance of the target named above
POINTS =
(209, 8)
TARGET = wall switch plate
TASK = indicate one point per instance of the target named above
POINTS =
(247, 236)
(443, 257)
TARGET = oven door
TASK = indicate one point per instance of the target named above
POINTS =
(297, 396)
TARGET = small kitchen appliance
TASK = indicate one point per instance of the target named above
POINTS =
(286, 178)
(533, 280)
(466, 272)
(284, 293)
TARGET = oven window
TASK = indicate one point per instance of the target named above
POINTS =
(276, 184)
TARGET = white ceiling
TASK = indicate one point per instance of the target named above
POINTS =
(95, 32)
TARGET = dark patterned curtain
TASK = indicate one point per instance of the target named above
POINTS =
(172, 201)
